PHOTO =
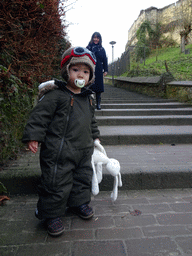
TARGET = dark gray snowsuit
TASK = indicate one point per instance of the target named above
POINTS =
(65, 125)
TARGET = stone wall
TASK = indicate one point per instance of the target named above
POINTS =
(166, 16)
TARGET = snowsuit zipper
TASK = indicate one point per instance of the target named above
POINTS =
(62, 141)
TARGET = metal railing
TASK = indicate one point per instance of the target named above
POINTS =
(121, 65)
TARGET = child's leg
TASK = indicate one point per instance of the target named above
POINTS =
(82, 180)
(55, 187)
(80, 195)
(70, 183)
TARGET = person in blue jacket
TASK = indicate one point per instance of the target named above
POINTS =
(101, 69)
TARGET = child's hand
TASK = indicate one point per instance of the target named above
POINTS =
(33, 146)
(98, 145)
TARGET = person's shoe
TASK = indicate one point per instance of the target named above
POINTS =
(54, 226)
(84, 211)
(98, 107)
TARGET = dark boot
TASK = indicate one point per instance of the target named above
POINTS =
(98, 100)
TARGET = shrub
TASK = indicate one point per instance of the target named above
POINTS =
(31, 41)
(32, 35)
(16, 99)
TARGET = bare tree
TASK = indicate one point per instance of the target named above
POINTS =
(184, 14)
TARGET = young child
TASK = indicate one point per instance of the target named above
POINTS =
(63, 122)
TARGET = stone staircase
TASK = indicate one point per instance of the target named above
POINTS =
(131, 118)
(150, 137)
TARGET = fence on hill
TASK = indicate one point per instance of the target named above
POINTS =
(121, 65)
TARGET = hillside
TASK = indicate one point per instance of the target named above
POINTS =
(180, 65)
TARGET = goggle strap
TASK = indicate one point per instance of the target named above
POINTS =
(65, 60)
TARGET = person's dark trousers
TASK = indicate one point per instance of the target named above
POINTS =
(98, 100)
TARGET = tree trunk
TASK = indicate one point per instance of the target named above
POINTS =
(182, 43)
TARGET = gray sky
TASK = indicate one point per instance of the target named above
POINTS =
(112, 19)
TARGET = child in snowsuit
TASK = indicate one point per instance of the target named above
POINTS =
(63, 122)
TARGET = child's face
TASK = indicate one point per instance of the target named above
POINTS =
(78, 71)
(95, 40)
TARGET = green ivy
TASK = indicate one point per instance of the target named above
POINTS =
(16, 101)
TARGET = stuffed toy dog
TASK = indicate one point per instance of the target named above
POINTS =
(99, 158)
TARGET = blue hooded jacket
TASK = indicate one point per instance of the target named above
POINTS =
(101, 66)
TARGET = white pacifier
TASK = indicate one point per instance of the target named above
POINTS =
(79, 83)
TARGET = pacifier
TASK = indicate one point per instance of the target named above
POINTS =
(79, 83)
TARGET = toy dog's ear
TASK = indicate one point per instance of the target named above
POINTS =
(95, 186)
(114, 193)
(99, 172)
(120, 184)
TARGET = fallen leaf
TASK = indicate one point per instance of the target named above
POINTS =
(135, 213)
(3, 199)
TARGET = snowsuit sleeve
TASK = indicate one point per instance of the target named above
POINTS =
(40, 118)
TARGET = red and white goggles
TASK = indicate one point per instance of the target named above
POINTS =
(79, 52)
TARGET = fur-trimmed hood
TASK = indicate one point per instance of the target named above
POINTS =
(46, 87)
(57, 84)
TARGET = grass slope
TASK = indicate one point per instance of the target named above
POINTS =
(179, 64)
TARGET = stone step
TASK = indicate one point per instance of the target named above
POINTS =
(142, 167)
(144, 120)
(153, 134)
(151, 166)
(144, 112)
(125, 100)
(145, 105)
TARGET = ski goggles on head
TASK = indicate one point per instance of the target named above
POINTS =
(79, 52)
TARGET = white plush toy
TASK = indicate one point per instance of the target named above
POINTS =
(99, 158)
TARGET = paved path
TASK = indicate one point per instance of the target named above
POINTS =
(139, 223)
